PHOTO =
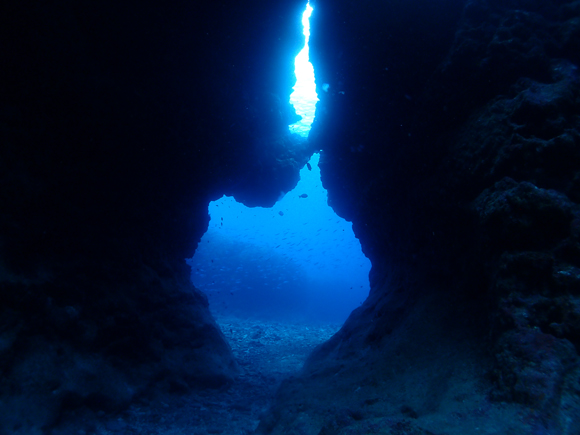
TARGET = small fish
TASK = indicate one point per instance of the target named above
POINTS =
(309, 166)
(281, 213)
(303, 196)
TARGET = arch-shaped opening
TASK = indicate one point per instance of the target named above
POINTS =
(295, 261)
(281, 280)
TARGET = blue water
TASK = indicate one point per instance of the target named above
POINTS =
(297, 260)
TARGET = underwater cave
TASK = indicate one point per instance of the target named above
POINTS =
(447, 142)
(297, 260)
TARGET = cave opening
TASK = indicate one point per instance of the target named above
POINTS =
(295, 261)
(280, 280)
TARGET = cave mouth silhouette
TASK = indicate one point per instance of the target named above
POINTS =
(295, 261)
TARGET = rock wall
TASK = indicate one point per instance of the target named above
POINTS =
(120, 121)
(450, 137)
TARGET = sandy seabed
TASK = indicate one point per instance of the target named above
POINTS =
(267, 352)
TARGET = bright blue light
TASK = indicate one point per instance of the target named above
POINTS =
(296, 259)
(304, 97)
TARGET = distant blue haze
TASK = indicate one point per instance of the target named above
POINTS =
(297, 259)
